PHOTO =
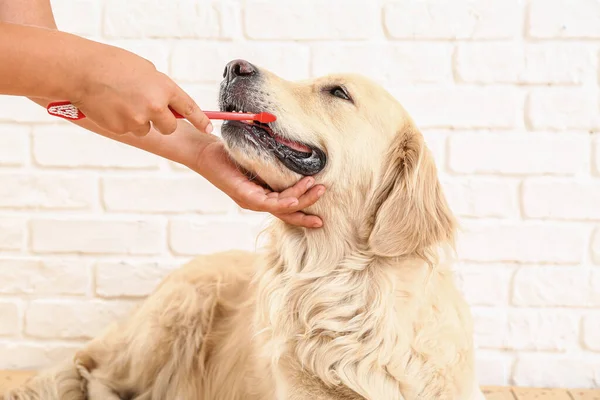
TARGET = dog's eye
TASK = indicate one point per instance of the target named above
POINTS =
(339, 91)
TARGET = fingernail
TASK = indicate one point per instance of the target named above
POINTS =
(317, 224)
(309, 183)
(209, 128)
(320, 191)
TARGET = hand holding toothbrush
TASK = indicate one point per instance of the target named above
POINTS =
(117, 90)
(123, 93)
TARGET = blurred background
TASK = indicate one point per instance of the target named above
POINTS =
(505, 91)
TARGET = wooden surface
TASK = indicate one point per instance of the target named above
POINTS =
(506, 393)
(10, 379)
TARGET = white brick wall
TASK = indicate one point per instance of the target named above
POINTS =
(506, 92)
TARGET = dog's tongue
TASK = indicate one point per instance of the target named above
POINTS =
(293, 145)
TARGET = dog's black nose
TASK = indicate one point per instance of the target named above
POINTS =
(237, 68)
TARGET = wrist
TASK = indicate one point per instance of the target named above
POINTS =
(196, 145)
(81, 60)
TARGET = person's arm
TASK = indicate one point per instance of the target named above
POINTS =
(204, 154)
(39, 62)
(115, 88)
(28, 12)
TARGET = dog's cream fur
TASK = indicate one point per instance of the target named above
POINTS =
(363, 308)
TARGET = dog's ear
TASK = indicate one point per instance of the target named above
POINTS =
(408, 210)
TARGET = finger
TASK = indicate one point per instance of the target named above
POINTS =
(144, 130)
(299, 188)
(165, 122)
(262, 202)
(285, 202)
(184, 105)
(301, 219)
(309, 198)
(277, 205)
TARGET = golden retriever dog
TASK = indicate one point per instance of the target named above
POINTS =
(363, 308)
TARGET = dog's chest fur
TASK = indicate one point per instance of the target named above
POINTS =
(349, 330)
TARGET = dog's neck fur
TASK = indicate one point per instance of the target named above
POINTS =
(329, 310)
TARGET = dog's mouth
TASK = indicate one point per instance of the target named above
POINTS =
(300, 158)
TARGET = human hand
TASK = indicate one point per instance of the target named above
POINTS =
(214, 164)
(122, 92)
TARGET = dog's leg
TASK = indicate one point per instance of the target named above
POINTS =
(160, 349)
(62, 382)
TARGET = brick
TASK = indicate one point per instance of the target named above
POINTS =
(558, 63)
(70, 146)
(493, 368)
(9, 323)
(546, 370)
(206, 96)
(595, 288)
(596, 245)
(521, 242)
(564, 19)
(13, 144)
(538, 63)
(212, 235)
(518, 154)
(12, 233)
(267, 20)
(155, 19)
(487, 285)
(396, 63)
(81, 319)
(33, 276)
(552, 286)
(128, 278)
(596, 155)
(21, 109)
(47, 191)
(156, 51)
(290, 61)
(80, 17)
(98, 236)
(462, 19)
(563, 108)
(231, 12)
(26, 355)
(436, 142)
(488, 62)
(164, 194)
(482, 197)
(561, 199)
(591, 332)
(461, 107)
(531, 330)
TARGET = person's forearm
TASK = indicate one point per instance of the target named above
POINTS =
(27, 12)
(39, 62)
(183, 146)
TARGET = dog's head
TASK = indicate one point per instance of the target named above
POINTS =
(354, 137)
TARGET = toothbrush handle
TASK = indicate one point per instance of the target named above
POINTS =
(67, 110)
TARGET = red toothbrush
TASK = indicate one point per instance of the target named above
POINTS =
(67, 110)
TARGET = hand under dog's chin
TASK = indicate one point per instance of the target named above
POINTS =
(268, 173)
